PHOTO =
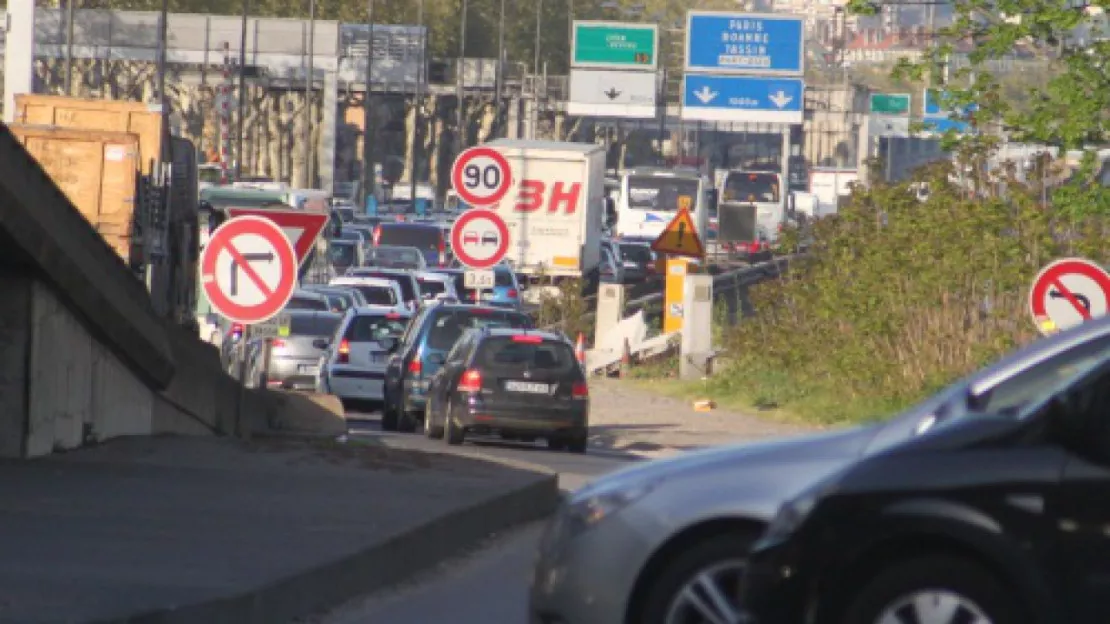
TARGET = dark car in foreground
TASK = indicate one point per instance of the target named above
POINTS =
(648, 540)
(517, 383)
(417, 358)
(1000, 519)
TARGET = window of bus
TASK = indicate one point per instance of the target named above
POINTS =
(660, 194)
(752, 187)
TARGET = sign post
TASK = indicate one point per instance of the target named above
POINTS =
(1068, 292)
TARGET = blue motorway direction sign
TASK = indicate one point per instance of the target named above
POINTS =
(743, 98)
(744, 43)
(936, 119)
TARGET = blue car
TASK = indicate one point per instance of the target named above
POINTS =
(426, 237)
(505, 293)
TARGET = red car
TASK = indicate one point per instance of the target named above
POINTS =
(470, 237)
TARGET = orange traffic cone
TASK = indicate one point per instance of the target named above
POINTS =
(580, 348)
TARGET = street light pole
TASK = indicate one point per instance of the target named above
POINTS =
(460, 76)
(309, 87)
(500, 66)
(368, 181)
(71, 9)
(242, 91)
(418, 95)
(535, 121)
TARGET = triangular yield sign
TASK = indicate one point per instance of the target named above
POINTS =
(302, 228)
(680, 237)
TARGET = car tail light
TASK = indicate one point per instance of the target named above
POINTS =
(471, 381)
(442, 253)
(392, 316)
(416, 367)
(527, 339)
(377, 235)
(277, 343)
(237, 329)
(512, 293)
(343, 352)
(580, 390)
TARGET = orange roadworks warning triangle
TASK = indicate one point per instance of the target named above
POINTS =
(680, 238)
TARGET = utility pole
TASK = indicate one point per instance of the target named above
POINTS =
(536, 71)
(71, 10)
(368, 181)
(242, 91)
(418, 95)
(309, 88)
(459, 78)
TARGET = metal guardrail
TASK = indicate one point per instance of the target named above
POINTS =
(722, 283)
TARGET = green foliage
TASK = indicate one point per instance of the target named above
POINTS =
(899, 297)
(564, 308)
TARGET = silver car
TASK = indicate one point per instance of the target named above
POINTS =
(295, 358)
(666, 541)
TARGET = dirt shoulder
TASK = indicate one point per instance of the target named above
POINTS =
(626, 416)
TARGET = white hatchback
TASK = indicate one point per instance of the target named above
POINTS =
(377, 291)
(354, 365)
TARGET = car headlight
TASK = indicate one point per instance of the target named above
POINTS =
(594, 505)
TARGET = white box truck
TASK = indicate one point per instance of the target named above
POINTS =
(555, 208)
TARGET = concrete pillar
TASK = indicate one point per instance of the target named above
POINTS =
(610, 311)
(19, 54)
(697, 328)
(15, 335)
(512, 119)
(326, 156)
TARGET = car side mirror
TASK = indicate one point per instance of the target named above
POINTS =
(389, 344)
(320, 343)
(437, 359)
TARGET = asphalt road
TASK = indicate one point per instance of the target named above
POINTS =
(490, 584)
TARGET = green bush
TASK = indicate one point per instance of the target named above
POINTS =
(899, 296)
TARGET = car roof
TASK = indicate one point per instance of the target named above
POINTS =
(438, 276)
(312, 313)
(408, 224)
(464, 307)
(307, 294)
(368, 310)
(353, 280)
(408, 247)
(1037, 352)
(354, 272)
(500, 332)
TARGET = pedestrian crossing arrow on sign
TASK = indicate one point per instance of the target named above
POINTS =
(680, 237)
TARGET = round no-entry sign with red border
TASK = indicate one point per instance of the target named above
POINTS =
(481, 176)
(248, 270)
(1067, 292)
(480, 238)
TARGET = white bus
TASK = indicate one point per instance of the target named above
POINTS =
(764, 190)
(650, 198)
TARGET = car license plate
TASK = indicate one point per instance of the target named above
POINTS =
(308, 369)
(527, 386)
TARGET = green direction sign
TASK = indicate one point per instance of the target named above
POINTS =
(890, 104)
(614, 45)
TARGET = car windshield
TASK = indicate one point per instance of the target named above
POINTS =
(341, 253)
(661, 194)
(636, 253)
(449, 325)
(430, 288)
(304, 325)
(307, 303)
(375, 327)
(395, 257)
(751, 187)
(346, 214)
(378, 295)
(339, 302)
(503, 278)
(505, 354)
(408, 291)
(419, 236)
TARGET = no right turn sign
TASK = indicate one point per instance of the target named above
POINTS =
(1067, 292)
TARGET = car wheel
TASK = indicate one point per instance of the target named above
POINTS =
(406, 421)
(389, 416)
(935, 589)
(699, 584)
(430, 428)
(452, 433)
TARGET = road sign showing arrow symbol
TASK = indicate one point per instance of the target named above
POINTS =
(780, 99)
(705, 95)
(612, 93)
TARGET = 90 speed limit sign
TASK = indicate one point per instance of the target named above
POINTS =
(481, 176)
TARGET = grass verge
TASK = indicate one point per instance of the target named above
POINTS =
(768, 394)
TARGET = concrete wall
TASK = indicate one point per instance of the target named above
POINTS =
(79, 390)
(15, 341)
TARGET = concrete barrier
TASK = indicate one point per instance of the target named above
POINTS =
(299, 413)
